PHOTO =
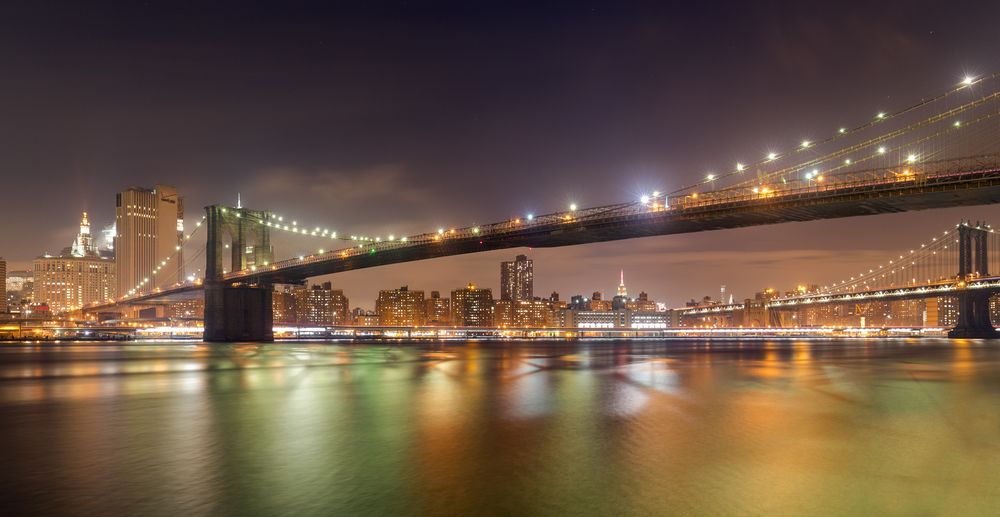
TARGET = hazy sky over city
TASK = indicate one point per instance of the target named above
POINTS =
(397, 117)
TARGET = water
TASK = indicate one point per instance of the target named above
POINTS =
(613, 428)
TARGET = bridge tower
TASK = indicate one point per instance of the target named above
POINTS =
(242, 311)
(973, 306)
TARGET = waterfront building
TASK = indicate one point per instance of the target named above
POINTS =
(366, 319)
(4, 307)
(149, 231)
(401, 307)
(472, 307)
(19, 286)
(321, 305)
(649, 320)
(69, 283)
(597, 303)
(438, 310)
(283, 306)
(524, 314)
(596, 319)
(517, 279)
(642, 304)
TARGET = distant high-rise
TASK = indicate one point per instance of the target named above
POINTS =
(621, 286)
(472, 307)
(3, 285)
(517, 280)
(149, 230)
(401, 307)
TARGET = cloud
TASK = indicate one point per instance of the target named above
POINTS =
(355, 187)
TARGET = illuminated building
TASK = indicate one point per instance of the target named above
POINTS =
(438, 310)
(320, 305)
(3, 285)
(283, 306)
(19, 286)
(315, 305)
(83, 246)
(641, 304)
(401, 308)
(517, 279)
(68, 283)
(942, 311)
(649, 320)
(193, 309)
(596, 303)
(524, 314)
(597, 319)
(621, 286)
(472, 307)
(149, 227)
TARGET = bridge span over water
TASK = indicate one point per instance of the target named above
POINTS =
(941, 152)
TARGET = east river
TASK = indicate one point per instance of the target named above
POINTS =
(846, 427)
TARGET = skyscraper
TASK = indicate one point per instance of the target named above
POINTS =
(517, 279)
(621, 286)
(149, 228)
(68, 283)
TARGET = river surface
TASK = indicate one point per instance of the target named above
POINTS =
(847, 427)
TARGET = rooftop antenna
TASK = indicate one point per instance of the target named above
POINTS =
(239, 202)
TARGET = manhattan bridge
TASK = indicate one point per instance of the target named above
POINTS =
(943, 151)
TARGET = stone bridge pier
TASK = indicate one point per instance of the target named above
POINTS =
(237, 312)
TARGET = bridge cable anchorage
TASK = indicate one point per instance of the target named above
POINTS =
(816, 172)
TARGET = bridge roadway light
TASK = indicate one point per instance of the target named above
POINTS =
(771, 156)
(531, 217)
(880, 116)
(806, 143)
(572, 207)
(967, 81)
(911, 158)
(740, 167)
(881, 150)
(644, 199)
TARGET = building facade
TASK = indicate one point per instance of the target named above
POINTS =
(3, 286)
(472, 307)
(524, 314)
(438, 310)
(70, 283)
(149, 238)
(401, 308)
(517, 279)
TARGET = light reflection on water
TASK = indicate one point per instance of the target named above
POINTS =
(788, 427)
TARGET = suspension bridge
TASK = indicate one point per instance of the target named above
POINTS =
(956, 263)
(943, 151)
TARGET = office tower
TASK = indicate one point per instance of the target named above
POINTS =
(472, 307)
(517, 279)
(401, 307)
(438, 310)
(149, 234)
(621, 286)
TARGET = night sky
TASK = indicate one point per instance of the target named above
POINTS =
(377, 118)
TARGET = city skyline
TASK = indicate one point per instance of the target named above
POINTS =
(676, 123)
